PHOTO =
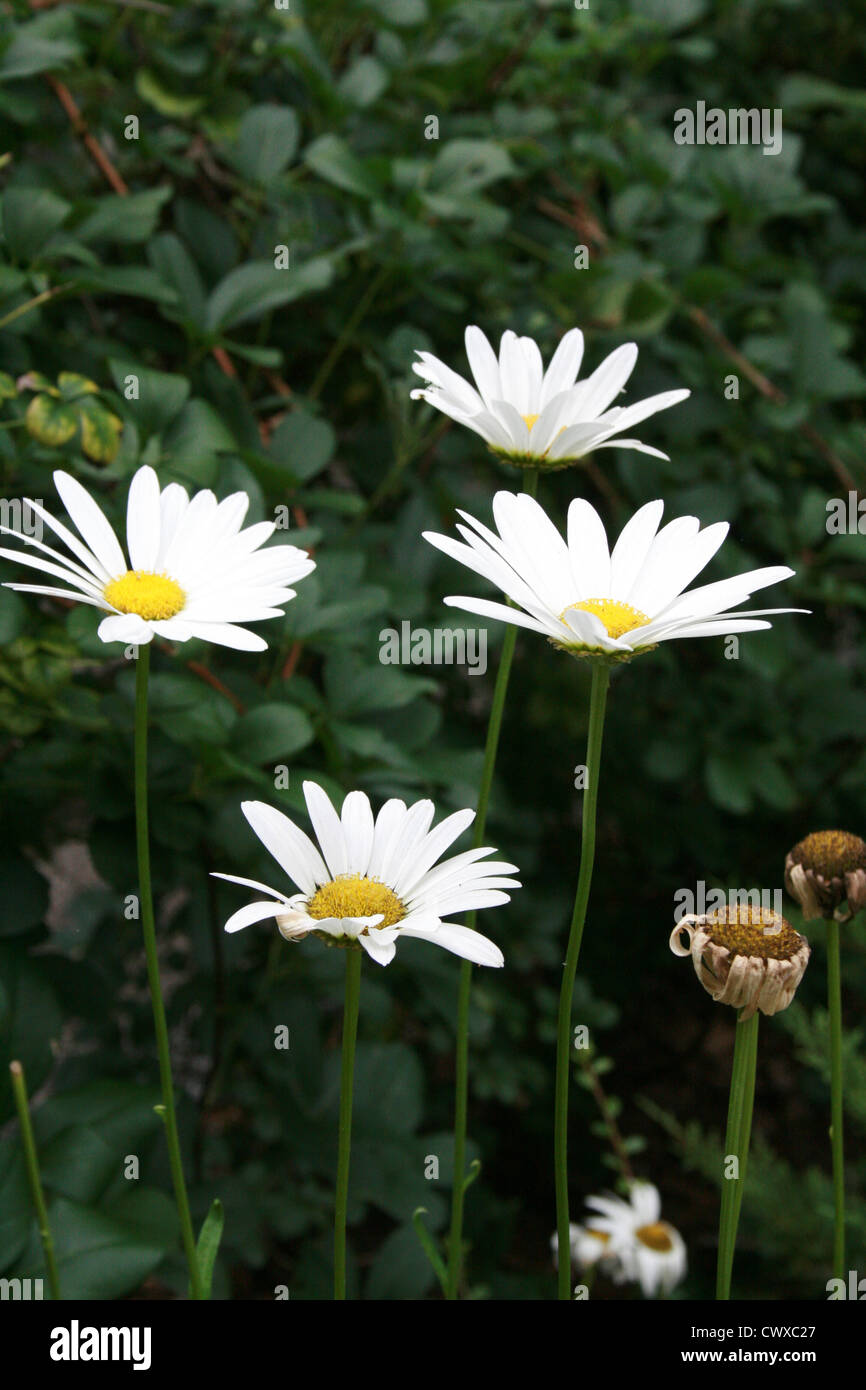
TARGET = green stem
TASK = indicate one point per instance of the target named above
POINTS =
(837, 1138)
(597, 703)
(31, 1159)
(464, 990)
(166, 1110)
(346, 332)
(737, 1136)
(347, 1077)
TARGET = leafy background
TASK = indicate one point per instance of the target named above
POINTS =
(258, 128)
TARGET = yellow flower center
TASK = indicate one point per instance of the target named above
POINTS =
(830, 853)
(529, 420)
(754, 931)
(603, 1236)
(352, 895)
(617, 617)
(151, 596)
(655, 1237)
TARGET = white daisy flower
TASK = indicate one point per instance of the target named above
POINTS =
(371, 882)
(588, 1247)
(591, 602)
(537, 418)
(192, 570)
(650, 1252)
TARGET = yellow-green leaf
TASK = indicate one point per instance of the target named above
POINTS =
(100, 431)
(51, 421)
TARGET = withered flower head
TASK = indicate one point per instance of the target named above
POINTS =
(748, 957)
(825, 870)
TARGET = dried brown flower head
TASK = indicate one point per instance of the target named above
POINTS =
(748, 957)
(824, 871)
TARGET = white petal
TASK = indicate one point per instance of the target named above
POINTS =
(143, 521)
(125, 627)
(329, 830)
(431, 849)
(608, 380)
(88, 559)
(293, 850)
(227, 635)
(483, 363)
(380, 945)
(389, 825)
(674, 575)
(633, 444)
(87, 575)
(249, 883)
(513, 374)
(36, 562)
(74, 595)
(564, 366)
(641, 410)
(486, 609)
(461, 941)
(91, 523)
(253, 912)
(357, 822)
(632, 548)
(587, 544)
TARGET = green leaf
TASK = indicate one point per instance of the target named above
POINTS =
(251, 290)
(43, 44)
(31, 216)
(72, 386)
(79, 1164)
(125, 220)
(15, 1205)
(161, 395)
(209, 1243)
(403, 1268)
(271, 732)
(267, 142)
(99, 1257)
(304, 443)
(167, 102)
(197, 434)
(137, 281)
(364, 82)
(728, 784)
(463, 166)
(805, 91)
(402, 13)
(173, 263)
(330, 157)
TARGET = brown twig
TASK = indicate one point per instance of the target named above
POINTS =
(79, 125)
(599, 1094)
(586, 225)
(771, 392)
(198, 669)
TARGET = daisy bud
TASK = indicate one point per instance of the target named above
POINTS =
(825, 870)
(748, 957)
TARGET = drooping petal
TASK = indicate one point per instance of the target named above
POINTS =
(92, 523)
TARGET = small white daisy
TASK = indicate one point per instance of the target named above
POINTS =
(591, 602)
(192, 570)
(371, 882)
(537, 418)
(589, 1247)
(649, 1251)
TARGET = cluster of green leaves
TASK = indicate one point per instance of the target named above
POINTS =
(302, 137)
